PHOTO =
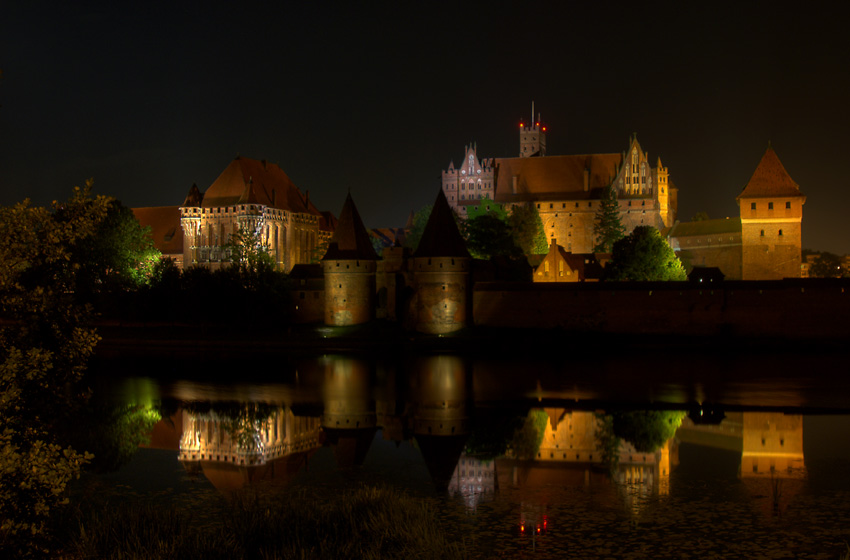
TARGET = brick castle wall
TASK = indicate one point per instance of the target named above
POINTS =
(793, 308)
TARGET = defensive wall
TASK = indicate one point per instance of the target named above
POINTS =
(793, 308)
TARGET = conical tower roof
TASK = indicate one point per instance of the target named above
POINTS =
(441, 237)
(770, 179)
(350, 240)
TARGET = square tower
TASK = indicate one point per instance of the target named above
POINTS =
(771, 207)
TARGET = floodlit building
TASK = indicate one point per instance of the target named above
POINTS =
(258, 197)
(566, 190)
(764, 243)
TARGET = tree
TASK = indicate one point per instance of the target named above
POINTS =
(647, 430)
(488, 236)
(118, 255)
(527, 227)
(644, 256)
(420, 219)
(828, 265)
(247, 251)
(44, 346)
(700, 217)
(608, 229)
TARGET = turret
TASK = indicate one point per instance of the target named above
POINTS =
(532, 138)
(771, 207)
(441, 274)
(349, 268)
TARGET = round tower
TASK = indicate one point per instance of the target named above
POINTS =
(441, 274)
(349, 268)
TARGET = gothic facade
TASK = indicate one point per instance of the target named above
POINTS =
(258, 197)
(565, 189)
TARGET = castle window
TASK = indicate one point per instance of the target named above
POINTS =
(762, 233)
(538, 206)
(630, 203)
(752, 206)
(564, 205)
(643, 203)
(780, 232)
(551, 206)
(788, 205)
(589, 204)
(770, 206)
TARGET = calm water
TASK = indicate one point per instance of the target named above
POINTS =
(758, 469)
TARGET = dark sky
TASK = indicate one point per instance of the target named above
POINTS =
(150, 97)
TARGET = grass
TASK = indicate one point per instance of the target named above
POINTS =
(367, 523)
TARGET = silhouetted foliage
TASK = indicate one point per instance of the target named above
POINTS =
(44, 346)
(700, 217)
(420, 220)
(644, 256)
(489, 236)
(828, 265)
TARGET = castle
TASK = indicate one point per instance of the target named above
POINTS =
(566, 190)
(258, 197)
(432, 290)
(764, 243)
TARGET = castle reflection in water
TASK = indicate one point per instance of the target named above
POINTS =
(237, 444)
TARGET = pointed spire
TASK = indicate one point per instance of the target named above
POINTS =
(195, 197)
(441, 237)
(350, 240)
(248, 196)
(770, 179)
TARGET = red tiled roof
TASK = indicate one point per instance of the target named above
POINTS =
(770, 179)
(554, 177)
(328, 221)
(248, 180)
(166, 231)
(350, 240)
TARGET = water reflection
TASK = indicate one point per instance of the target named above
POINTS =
(348, 421)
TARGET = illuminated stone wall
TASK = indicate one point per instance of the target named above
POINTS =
(441, 298)
(349, 291)
(771, 237)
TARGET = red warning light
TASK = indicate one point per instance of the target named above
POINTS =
(538, 529)
(537, 124)
(522, 528)
(544, 129)
(521, 125)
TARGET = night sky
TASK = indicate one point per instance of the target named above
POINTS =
(150, 97)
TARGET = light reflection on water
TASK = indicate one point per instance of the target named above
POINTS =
(758, 483)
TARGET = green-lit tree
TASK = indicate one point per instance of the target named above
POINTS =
(644, 256)
(608, 229)
(118, 255)
(527, 227)
(647, 430)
